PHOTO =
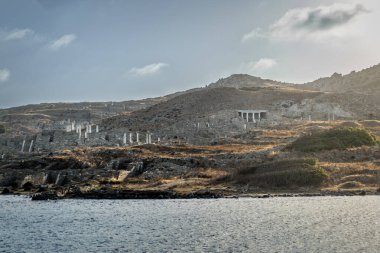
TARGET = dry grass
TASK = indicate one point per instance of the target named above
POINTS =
(365, 174)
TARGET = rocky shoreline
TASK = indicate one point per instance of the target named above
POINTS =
(152, 194)
(76, 193)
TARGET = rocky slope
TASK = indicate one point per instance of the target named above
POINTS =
(366, 81)
(181, 171)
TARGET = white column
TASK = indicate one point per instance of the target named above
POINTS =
(90, 129)
(158, 139)
(23, 146)
(125, 139)
(80, 133)
(97, 128)
(72, 126)
(309, 117)
(137, 137)
(31, 146)
(86, 135)
(130, 138)
(259, 117)
(150, 138)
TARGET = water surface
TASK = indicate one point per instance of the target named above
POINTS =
(302, 224)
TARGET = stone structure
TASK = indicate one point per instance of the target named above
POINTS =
(252, 115)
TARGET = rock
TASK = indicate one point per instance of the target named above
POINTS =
(45, 196)
(5, 191)
(42, 188)
(28, 186)
(362, 193)
(205, 194)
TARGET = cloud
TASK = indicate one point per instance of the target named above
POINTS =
(62, 42)
(4, 75)
(262, 64)
(307, 21)
(311, 23)
(148, 69)
(16, 34)
(254, 34)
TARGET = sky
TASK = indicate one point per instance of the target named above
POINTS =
(116, 50)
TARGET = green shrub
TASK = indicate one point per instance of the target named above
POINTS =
(2, 129)
(337, 138)
(284, 173)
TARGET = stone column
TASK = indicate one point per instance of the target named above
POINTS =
(72, 126)
(97, 128)
(80, 133)
(125, 139)
(137, 137)
(130, 138)
(23, 146)
(259, 116)
(31, 146)
(150, 138)
(86, 135)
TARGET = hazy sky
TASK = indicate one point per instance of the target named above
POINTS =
(116, 50)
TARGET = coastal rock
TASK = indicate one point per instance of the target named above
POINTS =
(45, 196)
(5, 191)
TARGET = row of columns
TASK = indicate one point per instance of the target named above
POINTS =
(148, 138)
(77, 128)
(30, 146)
(87, 131)
(245, 115)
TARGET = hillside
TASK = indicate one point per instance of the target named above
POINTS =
(209, 102)
(366, 81)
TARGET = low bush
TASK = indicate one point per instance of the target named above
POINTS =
(284, 173)
(337, 138)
